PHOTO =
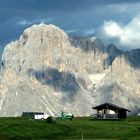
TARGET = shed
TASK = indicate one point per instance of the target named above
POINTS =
(110, 111)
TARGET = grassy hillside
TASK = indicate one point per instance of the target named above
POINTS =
(19, 128)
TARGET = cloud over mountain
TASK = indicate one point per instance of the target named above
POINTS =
(124, 35)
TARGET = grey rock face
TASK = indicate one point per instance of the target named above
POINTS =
(48, 71)
(112, 52)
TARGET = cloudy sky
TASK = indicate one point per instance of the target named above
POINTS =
(113, 21)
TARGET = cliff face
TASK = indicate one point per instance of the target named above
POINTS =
(47, 71)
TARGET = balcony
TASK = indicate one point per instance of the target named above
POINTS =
(105, 116)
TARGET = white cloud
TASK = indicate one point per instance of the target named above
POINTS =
(124, 8)
(89, 32)
(72, 31)
(112, 29)
(124, 35)
(24, 22)
(82, 32)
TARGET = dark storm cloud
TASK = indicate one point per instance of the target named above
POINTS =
(74, 16)
(61, 5)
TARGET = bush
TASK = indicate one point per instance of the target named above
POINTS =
(50, 120)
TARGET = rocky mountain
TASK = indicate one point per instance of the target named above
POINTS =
(48, 71)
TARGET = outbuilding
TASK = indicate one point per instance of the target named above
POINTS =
(110, 111)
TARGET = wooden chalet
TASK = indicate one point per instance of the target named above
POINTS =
(110, 111)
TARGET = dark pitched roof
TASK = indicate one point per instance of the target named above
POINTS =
(111, 105)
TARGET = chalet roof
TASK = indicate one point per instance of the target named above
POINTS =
(110, 105)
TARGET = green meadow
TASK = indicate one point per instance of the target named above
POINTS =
(78, 128)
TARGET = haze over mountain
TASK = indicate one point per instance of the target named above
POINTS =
(48, 71)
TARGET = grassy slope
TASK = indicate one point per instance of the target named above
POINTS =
(17, 128)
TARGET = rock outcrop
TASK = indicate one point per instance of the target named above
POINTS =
(48, 71)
